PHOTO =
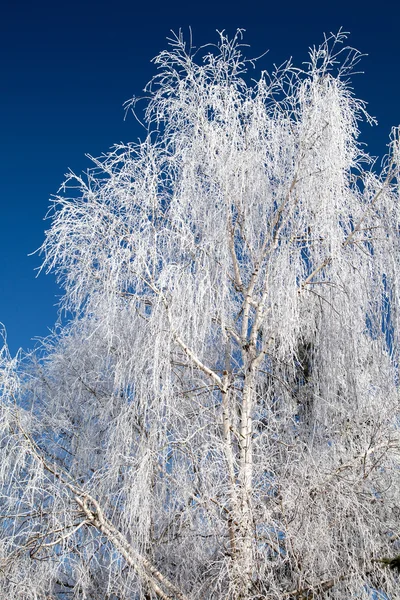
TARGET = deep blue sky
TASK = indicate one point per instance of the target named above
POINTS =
(67, 68)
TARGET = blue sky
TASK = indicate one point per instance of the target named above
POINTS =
(68, 67)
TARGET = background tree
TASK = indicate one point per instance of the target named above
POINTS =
(219, 419)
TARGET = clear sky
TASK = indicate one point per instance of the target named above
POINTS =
(68, 67)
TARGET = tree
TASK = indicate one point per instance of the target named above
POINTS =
(219, 419)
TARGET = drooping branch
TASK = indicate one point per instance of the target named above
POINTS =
(95, 517)
(142, 565)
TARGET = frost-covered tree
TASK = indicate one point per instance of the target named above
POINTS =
(220, 418)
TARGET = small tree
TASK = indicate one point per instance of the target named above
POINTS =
(219, 420)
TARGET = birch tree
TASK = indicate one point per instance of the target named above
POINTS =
(220, 417)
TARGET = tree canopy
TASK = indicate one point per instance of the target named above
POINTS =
(219, 419)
